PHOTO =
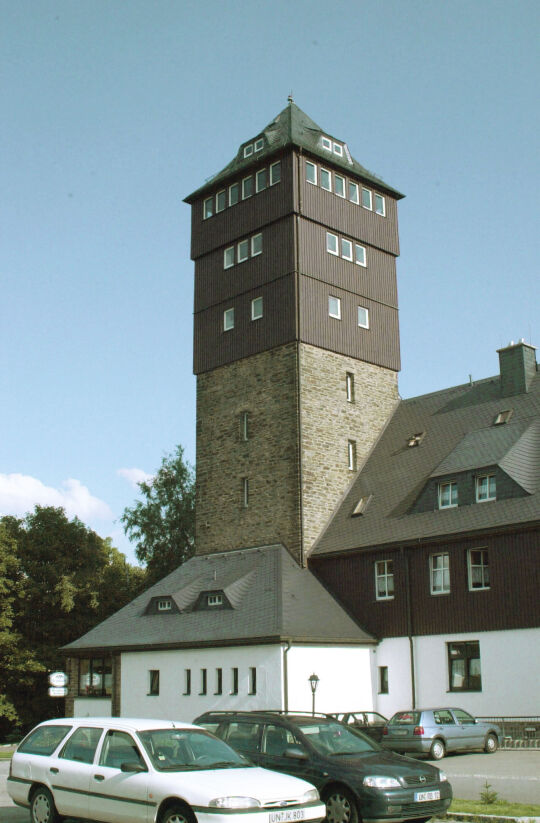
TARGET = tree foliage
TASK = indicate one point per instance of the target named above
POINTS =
(162, 525)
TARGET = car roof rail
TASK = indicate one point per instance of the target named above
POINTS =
(249, 713)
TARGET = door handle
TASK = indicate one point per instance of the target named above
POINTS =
(53, 770)
(99, 777)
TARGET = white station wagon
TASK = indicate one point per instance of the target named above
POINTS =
(120, 770)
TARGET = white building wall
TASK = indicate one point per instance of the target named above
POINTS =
(92, 707)
(345, 677)
(394, 653)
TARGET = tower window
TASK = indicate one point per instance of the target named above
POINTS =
(353, 193)
(380, 206)
(260, 180)
(360, 258)
(245, 492)
(311, 172)
(326, 179)
(247, 187)
(346, 249)
(275, 173)
(208, 209)
(366, 199)
(332, 243)
(363, 317)
(234, 194)
(257, 308)
(228, 319)
(334, 307)
(339, 185)
(221, 200)
(351, 455)
(228, 257)
(243, 251)
(244, 426)
(349, 383)
(256, 245)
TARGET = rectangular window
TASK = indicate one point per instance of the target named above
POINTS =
(259, 144)
(363, 317)
(260, 180)
(221, 200)
(214, 600)
(384, 579)
(187, 682)
(164, 605)
(256, 245)
(351, 455)
(244, 426)
(245, 492)
(153, 682)
(248, 150)
(247, 187)
(252, 680)
(234, 681)
(257, 308)
(234, 194)
(383, 679)
(228, 319)
(311, 172)
(346, 249)
(332, 243)
(478, 569)
(486, 488)
(338, 150)
(464, 667)
(339, 185)
(353, 193)
(334, 307)
(219, 681)
(326, 179)
(243, 251)
(326, 143)
(380, 207)
(439, 572)
(448, 495)
(203, 682)
(360, 255)
(275, 173)
(349, 382)
(366, 199)
(95, 676)
(228, 257)
(208, 210)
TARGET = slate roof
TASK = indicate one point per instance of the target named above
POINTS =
(459, 435)
(272, 599)
(292, 127)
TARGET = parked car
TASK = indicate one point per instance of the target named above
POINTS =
(115, 769)
(356, 779)
(371, 723)
(437, 731)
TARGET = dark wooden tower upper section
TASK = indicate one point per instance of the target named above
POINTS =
(299, 241)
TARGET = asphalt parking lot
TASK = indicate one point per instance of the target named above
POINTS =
(514, 775)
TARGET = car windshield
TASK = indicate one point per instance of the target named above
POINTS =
(405, 718)
(177, 750)
(335, 739)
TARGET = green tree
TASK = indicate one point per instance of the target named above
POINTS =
(162, 525)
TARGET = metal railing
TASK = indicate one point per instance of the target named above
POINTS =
(518, 732)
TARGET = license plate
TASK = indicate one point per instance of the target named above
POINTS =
(286, 816)
(421, 797)
(399, 732)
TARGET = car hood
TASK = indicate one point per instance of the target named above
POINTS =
(387, 764)
(263, 784)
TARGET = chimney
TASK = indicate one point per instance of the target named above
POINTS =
(517, 364)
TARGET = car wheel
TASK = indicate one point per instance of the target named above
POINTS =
(491, 744)
(438, 750)
(42, 808)
(340, 806)
(178, 813)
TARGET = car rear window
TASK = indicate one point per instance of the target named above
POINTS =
(405, 718)
(43, 740)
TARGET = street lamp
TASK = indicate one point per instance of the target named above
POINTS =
(313, 682)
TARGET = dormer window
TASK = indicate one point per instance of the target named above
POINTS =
(259, 144)
(448, 495)
(326, 143)
(362, 505)
(248, 150)
(164, 604)
(415, 439)
(486, 488)
(503, 417)
(338, 149)
(215, 600)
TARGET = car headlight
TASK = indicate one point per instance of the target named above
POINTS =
(375, 781)
(310, 796)
(235, 803)
(442, 776)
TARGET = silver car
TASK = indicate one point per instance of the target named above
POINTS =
(437, 731)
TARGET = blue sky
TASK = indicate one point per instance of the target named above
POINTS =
(115, 110)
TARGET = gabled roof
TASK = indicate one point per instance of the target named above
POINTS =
(459, 435)
(272, 599)
(292, 127)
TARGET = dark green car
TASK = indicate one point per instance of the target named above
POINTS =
(355, 777)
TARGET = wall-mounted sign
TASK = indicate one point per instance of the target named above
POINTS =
(58, 679)
(57, 691)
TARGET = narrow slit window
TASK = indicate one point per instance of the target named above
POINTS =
(252, 680)
(234, 680)
(187, 682)
(349, 384)
(153, 682)
(203, 682)
(245, 492)
(219, 681)
(244, 425)
(351, 455)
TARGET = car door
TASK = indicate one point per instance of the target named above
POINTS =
(471, 732)
(116, 796)
(275, 741)
(446, 726)
(70, 773)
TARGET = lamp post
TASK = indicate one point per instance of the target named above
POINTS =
(313, 682)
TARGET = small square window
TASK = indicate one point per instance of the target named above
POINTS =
(486, 488)
(354, 197)
(339, 185)
(332, 243)
(380, 206)
(326, 143)
(247, 187)
(363, 317)
(228, 257)
(243, 251)
(326, 180)
(360, 256)
(334, 307)
(448, 495)
(338, 149)
(346, 249)
(311, 172)
(228, 319)
(248, 150)
(260, 180)
(259, 144)
(275, 173)
(221, 200)
(256, 245)
(234, 194)
(257, 308)
(351, 455)
(208, 210)
(366, 199)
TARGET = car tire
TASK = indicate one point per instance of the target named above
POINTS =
(177, 813)
(340, 806)
(492, 744)
(438, 750)
(42, 808)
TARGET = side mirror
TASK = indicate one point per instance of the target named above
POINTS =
(295, 753)
(132, 767)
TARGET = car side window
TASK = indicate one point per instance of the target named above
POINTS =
(119, 748)
(44, 740)
(243, 736)
(82, 745)
(443, 717)
(463, 717)
(276, 739)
